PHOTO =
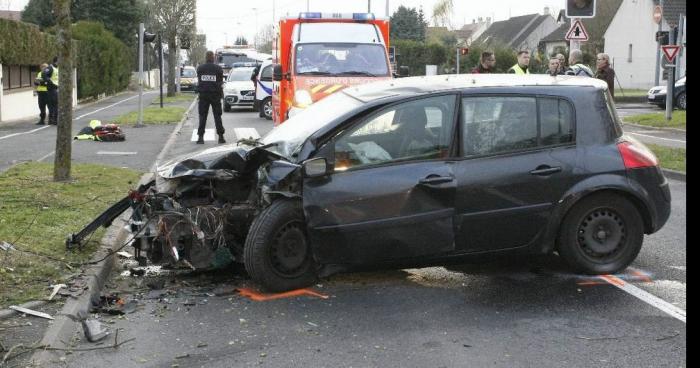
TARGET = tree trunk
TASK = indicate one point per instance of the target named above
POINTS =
(172, 65)
(62, 161)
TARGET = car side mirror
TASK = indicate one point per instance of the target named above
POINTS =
(277, 74)
(315, 168)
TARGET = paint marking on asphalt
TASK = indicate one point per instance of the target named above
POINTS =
(655, 137)
(246, 133)
(209, 135)
(118, 153)
(107, 107)
(46, 156)
(29, 132)
(642, 295)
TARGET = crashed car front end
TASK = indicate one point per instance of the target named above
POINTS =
(200, 209)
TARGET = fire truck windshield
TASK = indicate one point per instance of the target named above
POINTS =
(341, 59)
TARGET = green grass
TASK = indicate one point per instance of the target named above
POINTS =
(658, 119)
(153, 115)
(630, 92)
(36, 214)
(180, 97)
(669, 158)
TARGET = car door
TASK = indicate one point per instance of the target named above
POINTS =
(517, 158)
(391, 195)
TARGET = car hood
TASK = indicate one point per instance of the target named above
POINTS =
(240, 85)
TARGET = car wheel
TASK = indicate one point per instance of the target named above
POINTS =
(227, 107)
(277, 251)
(680, 101)
(602, 234)
(267, 108)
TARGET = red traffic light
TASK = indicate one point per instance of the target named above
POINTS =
(463, 51)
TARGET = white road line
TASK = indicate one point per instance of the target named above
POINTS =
(209, 135)
(664, 139)
(46, 156)
(116, 153)
(650, 299)
(29, 132)
(246, 133)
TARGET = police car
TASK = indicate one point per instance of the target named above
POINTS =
(239, 90)
(263, 93)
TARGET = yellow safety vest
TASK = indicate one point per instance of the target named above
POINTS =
(41, 87)
(519, 70)
(54, 76)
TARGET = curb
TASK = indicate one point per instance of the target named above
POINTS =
(673, 174)
(63, 327)
(7, 313)
(675, 130)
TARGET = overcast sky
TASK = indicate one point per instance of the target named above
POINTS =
(222, 21)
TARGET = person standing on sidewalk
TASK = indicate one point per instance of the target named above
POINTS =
(554, 67)
(575, 65)
(562, 64)
(42, 93)
(487, 63)
(523, 62)
(210, 86)
(50, 76)
(605, 72)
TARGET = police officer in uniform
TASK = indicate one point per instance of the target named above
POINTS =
(42, 93)
(50, 77)
(210, 87)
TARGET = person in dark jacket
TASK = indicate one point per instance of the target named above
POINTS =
(553, 66)
(50, 77)
(42, 93)
(210, 77)
(487, 63)
(605, 72)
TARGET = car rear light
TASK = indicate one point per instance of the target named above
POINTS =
(636, 155)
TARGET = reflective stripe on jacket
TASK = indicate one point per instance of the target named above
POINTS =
(40, 87)
(519, 70)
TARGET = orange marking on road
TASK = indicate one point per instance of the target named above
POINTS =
(613, 280)
(643, 276)
(590, 283)
(261, 297)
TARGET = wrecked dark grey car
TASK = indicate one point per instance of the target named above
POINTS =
(417, 171)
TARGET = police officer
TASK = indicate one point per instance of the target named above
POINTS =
(523, 62)
(42, 93)
(210, 87)
(50, 77)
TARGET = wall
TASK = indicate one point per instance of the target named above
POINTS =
(153, 82)
(21, 104)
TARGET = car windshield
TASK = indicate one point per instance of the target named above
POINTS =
(239, 74)
(189, 73)
(288, 137)
(341, 59)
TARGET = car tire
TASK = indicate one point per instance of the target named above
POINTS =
(266, 108)
(227, 107)
(277, 252)
(602, 234)
(680, 101)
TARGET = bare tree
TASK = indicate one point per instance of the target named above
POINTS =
(264, 39)
(173, 19)
(62, 161)
(198, 49)
(442, 13)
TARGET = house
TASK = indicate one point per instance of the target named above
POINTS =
(595, 28)
(10, 15)
(520, 33)
(630, 40)
(470, 32)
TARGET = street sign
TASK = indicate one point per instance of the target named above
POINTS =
(670, 51)
(657, 14)
(577, 32)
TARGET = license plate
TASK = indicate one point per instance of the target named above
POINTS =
(247, 98)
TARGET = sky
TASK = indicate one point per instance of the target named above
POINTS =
(225, 20)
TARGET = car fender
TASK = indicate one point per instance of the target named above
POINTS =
(583, 189)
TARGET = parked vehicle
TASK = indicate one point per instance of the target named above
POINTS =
(239, 90)
(263, 92)
(230, 57)
(657, 95)
(188, 78)
(414, 172)
(317, 54)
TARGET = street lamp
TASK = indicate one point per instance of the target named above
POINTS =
(255, 36)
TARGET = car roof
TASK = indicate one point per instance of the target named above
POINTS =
(449, 82)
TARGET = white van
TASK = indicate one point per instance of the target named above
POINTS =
(263, 90)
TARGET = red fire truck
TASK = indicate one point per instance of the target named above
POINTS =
(316, 54)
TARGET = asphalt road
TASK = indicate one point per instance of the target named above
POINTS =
(662, 137)
(511, 313)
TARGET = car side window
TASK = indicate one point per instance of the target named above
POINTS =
(556, 121)
(266, 75)
(414, 130)
(498, 124)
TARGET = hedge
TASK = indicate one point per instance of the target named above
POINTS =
(416, 55)
(24, 44)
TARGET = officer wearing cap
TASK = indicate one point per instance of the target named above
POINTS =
(210, 86)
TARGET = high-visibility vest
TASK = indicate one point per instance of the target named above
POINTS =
(519, 70)
(40, 88)
(54, 76)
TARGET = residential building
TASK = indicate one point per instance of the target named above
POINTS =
(520, 33)
(470, 32)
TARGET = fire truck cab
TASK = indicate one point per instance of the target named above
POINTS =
(317, 54)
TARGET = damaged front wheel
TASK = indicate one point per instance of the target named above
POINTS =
(277, 252)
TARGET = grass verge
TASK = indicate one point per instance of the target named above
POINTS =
(658, 119)
(36, 215)
(631, 92)
(179, 97)
(669, 158)
(153, 115)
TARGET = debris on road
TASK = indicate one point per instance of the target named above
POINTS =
(125, 254)
(93, 329)
(6, 246)
(30, 312)
(56, 288)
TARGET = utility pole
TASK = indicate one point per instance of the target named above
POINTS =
(307, 6)
(459, 50)
(160, 54)
(369, 6)
(139, 122)
(62, 161)
(387, 9)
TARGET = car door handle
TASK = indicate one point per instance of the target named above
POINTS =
(545, 170)
(434, 180)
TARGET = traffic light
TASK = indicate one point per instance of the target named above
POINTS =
(463, 51)
(148, 37)
(662, 37)
(580, 8)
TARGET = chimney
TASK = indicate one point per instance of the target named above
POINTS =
(546, 10)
